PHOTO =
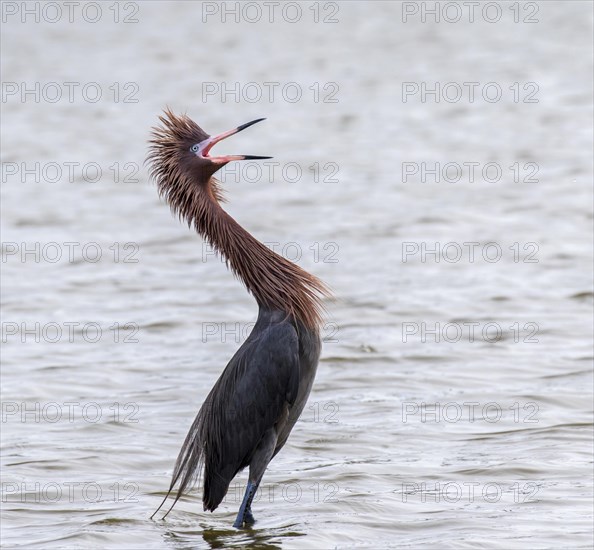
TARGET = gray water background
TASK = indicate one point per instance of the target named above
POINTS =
(386, 453)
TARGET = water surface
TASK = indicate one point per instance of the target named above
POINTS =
(412, 438)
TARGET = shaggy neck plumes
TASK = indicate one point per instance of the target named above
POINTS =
(275, 282)
(186, 184)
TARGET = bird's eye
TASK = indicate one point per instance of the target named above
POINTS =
(194, 148)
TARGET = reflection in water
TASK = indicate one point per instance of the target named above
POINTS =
(270, 539)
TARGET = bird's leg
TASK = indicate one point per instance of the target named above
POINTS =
(260, 460)
(245, 510)
(248, 517)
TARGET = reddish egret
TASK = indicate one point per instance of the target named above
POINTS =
(249, 413)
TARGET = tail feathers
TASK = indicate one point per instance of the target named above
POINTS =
(189, 462)
(215, 487)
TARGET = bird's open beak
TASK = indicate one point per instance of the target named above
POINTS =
(209, 143)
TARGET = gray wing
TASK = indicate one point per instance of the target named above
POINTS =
(250, 397)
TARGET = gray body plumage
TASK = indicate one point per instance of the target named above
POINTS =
(251, 410)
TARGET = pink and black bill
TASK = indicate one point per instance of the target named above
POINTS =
(203, 148)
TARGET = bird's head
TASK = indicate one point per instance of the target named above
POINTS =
(181, 160)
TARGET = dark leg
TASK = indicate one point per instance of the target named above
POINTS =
(249, 517)
(245, 510)
(258, 465)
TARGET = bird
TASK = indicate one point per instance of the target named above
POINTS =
(248, 415)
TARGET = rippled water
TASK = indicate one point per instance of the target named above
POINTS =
(406, 441)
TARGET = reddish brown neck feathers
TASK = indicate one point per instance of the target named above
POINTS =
(195, 196)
